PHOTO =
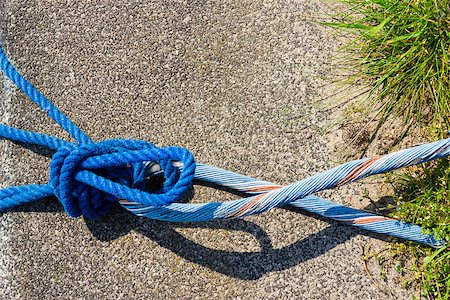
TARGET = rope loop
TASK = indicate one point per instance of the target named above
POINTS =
(88, 178)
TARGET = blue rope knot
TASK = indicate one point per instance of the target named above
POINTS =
(88, 178)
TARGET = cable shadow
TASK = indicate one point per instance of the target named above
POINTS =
(242, 265)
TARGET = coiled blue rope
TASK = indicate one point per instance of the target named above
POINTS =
(88, 177)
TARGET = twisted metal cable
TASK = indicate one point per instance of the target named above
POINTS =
(205, 174)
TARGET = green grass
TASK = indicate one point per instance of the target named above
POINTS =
(401, 51)
(422, 195)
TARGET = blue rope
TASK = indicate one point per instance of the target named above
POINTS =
(40, 100)
(88, 177)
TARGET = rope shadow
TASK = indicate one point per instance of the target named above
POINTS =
(39, 150)
(241, 265)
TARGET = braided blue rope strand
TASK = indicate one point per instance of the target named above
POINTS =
(18, 195)
(40, 100)
(34, 138)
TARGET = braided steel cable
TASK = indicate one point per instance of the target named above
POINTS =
(208, 175)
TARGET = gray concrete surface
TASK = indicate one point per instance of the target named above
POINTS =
(234, 82)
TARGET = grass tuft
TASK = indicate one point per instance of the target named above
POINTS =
(423, 198)
(402, 51)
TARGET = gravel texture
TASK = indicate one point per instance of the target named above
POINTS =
(235, 82)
